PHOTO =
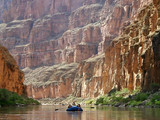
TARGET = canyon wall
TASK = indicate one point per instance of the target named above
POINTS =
(4, 6)
(25, 9)
(62, 80)
(130, 61)
(49, 32)
(11, 77)
(72, 37)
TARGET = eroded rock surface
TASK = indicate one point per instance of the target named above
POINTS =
(11, 77)
(50, 82)
(49, 32)
(131, 60)
(62, 80)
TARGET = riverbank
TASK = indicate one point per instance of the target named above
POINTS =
(8, 98)
(123, 98)
(63, 101)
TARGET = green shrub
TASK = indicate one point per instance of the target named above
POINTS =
(155, 98)
(126, 100)
(134, 103)
(106, 100)
(117, 99)
(136, 91)
(157, 102)
(99, 100)
(149, 103)
(89, 101)
(4, 94)
(123, 92)
(141, 96)
(8, 98)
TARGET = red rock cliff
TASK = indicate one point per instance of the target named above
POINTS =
(24, 9)
(39, 32)
(131, 60)
(11, 77)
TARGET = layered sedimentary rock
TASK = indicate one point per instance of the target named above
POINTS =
(49, 32)
(4, 5)
(50, 82)
(62, 80)
(131, 60)
(70, 32)
(24, 9)
(11, 77)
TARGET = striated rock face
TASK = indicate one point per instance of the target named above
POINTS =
(4, 6)
(50, 82)
(24, 9)
(81, 80)
(77, 33)
(89, 79)
(85, 15)
(11, 77)
(49, 32)
(131, 60)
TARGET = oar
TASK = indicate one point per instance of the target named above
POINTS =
(58, 109)
(89, 107)
(92, 107)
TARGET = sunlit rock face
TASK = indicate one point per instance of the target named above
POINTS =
(132, 59)
(24, 9)
(81, 80)
(50, 82)
(78, 36)
(49, 32)
(11, 77)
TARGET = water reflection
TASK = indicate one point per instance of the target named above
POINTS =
(98, 113)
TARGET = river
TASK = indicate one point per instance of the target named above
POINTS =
(45, 112)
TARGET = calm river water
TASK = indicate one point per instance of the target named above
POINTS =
(97, 113)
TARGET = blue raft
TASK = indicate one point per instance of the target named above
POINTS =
(74, 108)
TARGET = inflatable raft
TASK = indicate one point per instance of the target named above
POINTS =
(74, 108)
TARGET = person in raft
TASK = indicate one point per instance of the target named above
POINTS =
(79, 105)
(74, 104)
(69, 106)
(74, 108)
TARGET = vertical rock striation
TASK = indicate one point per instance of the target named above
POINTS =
(132, 59)
(50, 82)
(11, 77)
(49, 32)
(77, 33)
